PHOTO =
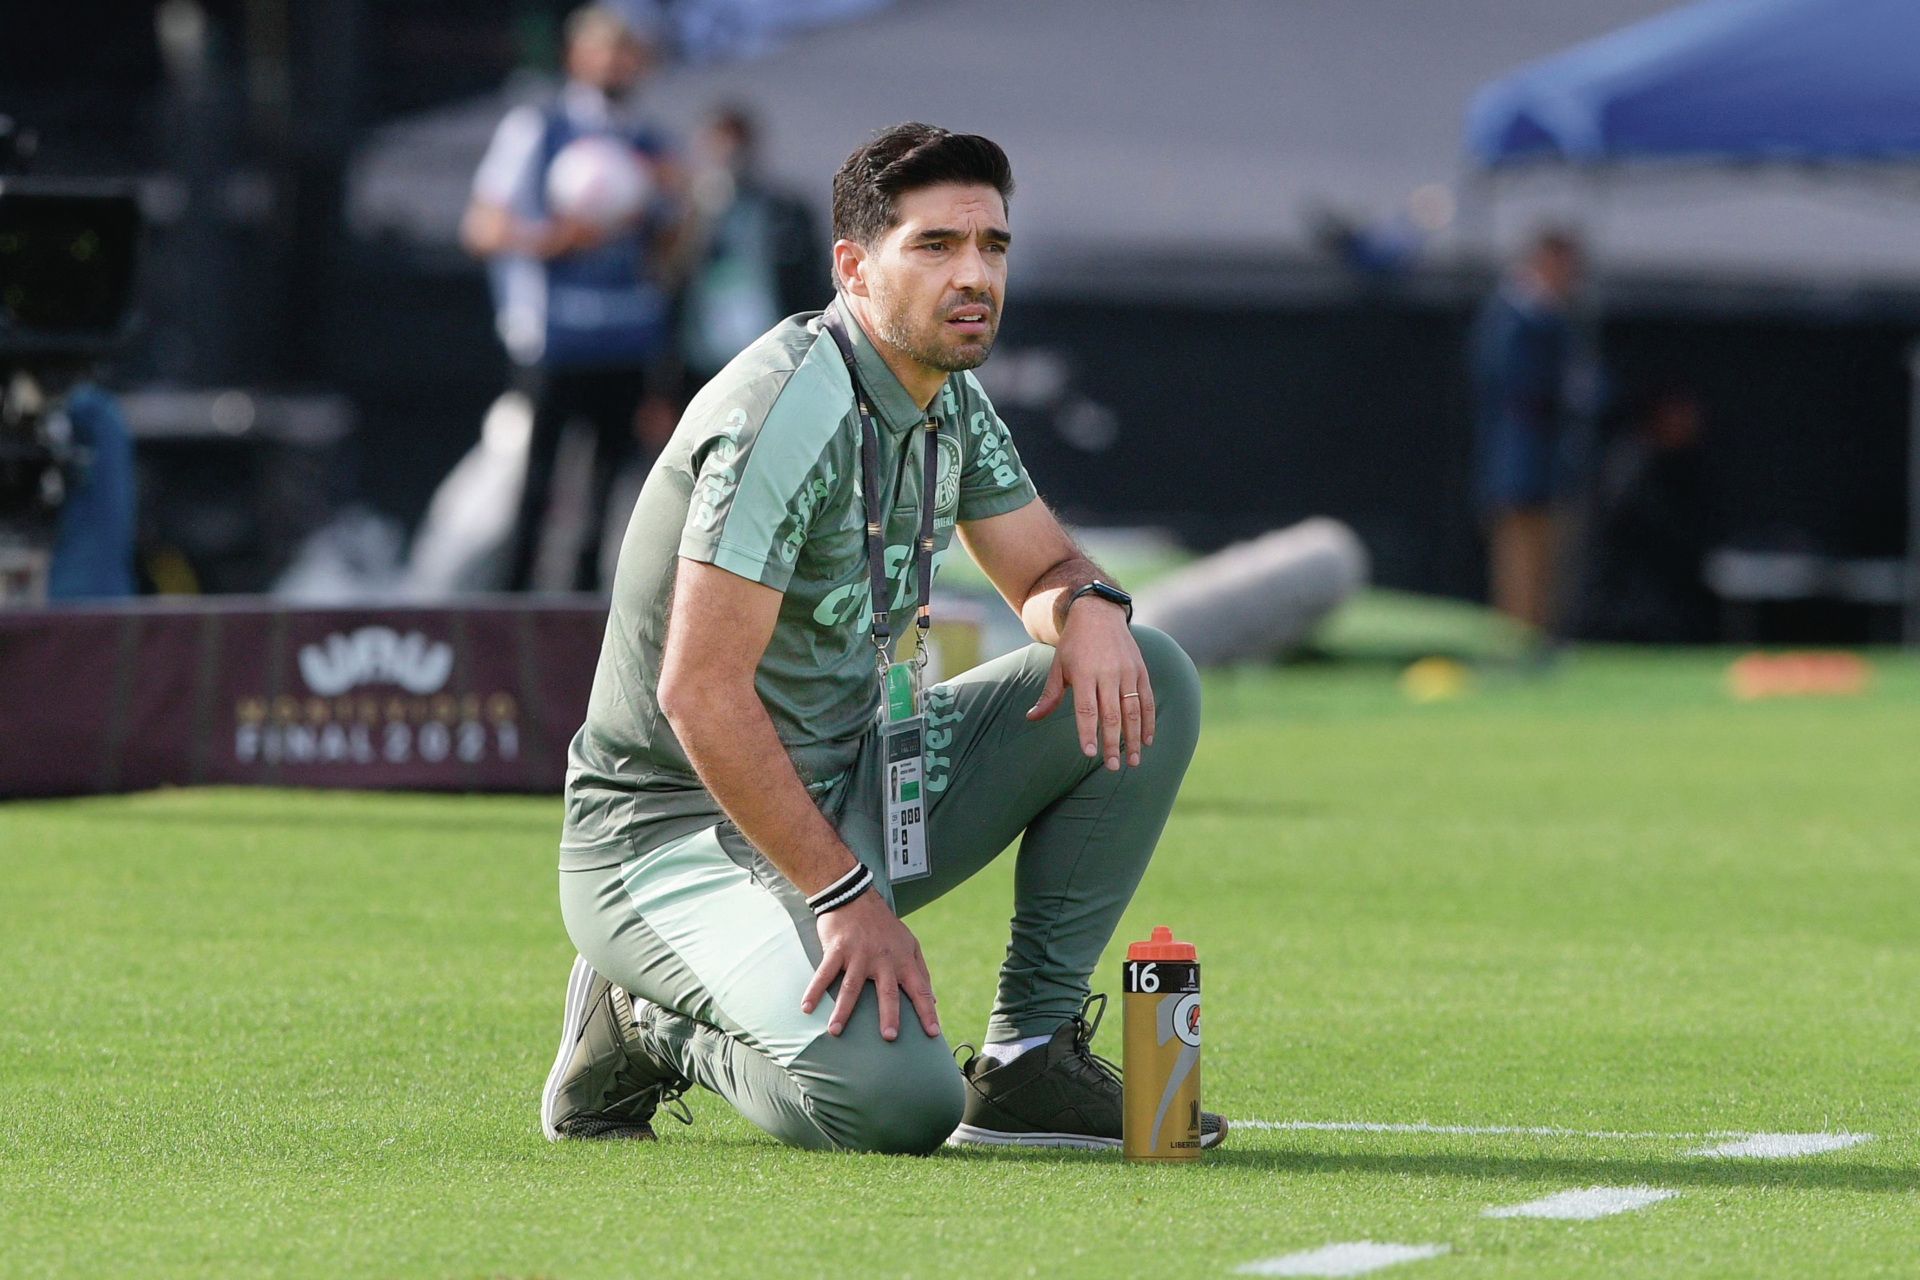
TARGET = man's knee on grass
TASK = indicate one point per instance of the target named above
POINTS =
(903, 1097)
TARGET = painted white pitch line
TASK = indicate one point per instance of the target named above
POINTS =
(1784, 1146)
(1728, 1142)
(1354, 1258)
(1593, 1202)
(1473, 1130)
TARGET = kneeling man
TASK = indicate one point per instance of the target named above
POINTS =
(745, 826)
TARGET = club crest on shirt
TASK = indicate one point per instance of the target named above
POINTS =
(946, 488)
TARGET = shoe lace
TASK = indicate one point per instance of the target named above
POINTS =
(1083, 1060)
(1084, 1028)
(669, 1101)
(666, 1096)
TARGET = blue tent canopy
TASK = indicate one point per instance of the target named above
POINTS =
(1796, 80)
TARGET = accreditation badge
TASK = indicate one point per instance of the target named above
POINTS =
(902, 738)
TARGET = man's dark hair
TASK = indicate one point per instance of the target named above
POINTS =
(740, 121)
(905, 158)
(1555, 238)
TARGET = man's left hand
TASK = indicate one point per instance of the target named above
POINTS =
(1112, 697)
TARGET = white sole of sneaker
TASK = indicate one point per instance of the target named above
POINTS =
(579, 983)
(972, 1134)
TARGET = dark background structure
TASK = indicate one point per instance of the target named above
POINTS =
(1215, 390)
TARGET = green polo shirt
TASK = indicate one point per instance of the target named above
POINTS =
(762, 479)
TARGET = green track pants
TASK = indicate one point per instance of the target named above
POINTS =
(703, 925)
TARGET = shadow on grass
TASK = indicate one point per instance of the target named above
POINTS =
(1814, 1173)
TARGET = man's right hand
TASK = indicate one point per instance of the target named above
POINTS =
(716, 634)
(865, 942)
(562, 235)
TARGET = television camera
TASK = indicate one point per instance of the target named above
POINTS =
(67, 255)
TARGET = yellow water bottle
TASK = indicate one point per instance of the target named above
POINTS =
(1160, 1008)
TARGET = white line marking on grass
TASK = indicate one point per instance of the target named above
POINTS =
(1471, 1130)
(1784, 1146)
(1594, 1202)
(1355, 1258)
(1727, 1142)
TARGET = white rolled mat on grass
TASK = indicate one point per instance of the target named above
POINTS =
(1255, 600)
(461, 545)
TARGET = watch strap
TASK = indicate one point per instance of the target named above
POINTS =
(1105, 591)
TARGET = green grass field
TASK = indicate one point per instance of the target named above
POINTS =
(289, 1034)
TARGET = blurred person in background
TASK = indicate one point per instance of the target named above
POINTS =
(580, 307)
(754, 252)
(93, 546)
(93, 531)
(1522, 352)
(1650, 526)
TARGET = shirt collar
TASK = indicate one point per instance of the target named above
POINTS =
(889, 400)
(589, 107)
(1528, 295)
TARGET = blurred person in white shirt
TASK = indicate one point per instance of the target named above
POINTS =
(580, 307)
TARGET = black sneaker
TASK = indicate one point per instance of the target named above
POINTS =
(1059, 1094)
(605, 1083)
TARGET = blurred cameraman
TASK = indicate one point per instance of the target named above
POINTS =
(68, 454)
(93, 550)
(581, 309)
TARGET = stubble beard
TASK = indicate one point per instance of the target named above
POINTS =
(929, 346)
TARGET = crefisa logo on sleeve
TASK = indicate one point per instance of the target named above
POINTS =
(374, 696)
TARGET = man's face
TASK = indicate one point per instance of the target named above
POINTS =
(723, 146)
(1674, 423)
(1558, 268)
(938, 278)
(609, 60)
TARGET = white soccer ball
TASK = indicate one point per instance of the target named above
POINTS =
(599, 181)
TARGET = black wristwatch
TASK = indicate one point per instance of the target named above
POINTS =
(1105, 591)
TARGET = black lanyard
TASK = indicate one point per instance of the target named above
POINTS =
(876, 516)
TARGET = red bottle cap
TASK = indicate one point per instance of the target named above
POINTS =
(1161, 946)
